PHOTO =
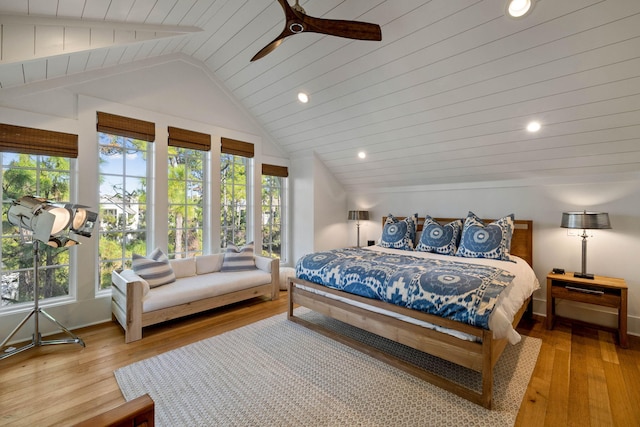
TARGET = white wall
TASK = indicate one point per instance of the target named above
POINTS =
(319, 206)
(610, 252)
(330, 209)
(173, 92)
(301, 182)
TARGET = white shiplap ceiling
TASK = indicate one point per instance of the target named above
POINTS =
(444, 98)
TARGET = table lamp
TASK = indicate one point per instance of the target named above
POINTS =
(586, 221)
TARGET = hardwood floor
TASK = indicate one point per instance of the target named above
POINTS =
(581, 378)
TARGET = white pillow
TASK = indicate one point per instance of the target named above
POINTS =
(209, 263)
(183, 267)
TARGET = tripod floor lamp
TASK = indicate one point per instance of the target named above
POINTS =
(44, 223)
(358, 216)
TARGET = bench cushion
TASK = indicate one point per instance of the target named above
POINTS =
(194, 288)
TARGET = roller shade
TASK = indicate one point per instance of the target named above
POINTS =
(19, 139)
(273, 170)
(126, 126)
(237, 148)
(189, 139)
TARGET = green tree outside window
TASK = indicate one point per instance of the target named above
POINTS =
(186, 201)
(123, 202)
(233, 199)
(272, 219)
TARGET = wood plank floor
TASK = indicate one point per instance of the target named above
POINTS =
(581, 378)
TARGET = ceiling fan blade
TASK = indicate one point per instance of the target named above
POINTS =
(349, 29)
(291, 17)
(270, 47)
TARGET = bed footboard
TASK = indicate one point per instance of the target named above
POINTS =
(481, 356)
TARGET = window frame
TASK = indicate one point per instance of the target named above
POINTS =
(248, 211)
(202, 205)
(124, 261)
(281, 177)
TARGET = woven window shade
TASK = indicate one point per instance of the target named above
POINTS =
(273, 170)
(18, 139)
(127, 127)
(189, 139)
(237, 148)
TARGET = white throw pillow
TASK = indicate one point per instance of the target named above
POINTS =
(183, 267)
(209, 263)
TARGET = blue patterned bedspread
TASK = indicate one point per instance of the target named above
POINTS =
(463, 292)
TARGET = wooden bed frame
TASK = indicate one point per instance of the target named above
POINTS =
(481, 356)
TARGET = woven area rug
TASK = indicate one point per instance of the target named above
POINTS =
(278, 373)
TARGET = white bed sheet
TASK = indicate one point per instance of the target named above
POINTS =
(509, 301)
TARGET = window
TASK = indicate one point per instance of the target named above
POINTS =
(123, 207)
(123, 151)
(235, 189)
(44, 176)
(273, 224)
(33, 162)
(187, 158)
(233, 199)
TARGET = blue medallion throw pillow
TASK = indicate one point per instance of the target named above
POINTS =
(412, 224)
(480, 240)
(439, 239)
(397, 233)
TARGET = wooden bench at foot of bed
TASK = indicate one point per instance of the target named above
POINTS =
(480, 356)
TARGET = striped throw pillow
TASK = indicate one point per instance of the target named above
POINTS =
(155, 268)
(238, 259)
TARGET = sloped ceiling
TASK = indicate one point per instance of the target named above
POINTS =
(444, 98)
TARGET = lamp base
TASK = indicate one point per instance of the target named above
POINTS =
(584, 275)
(36, 338)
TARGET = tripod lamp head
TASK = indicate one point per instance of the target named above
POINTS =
(50, 223)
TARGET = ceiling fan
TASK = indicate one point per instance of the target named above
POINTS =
(297, 21)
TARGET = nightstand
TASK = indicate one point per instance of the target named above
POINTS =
(602, 291)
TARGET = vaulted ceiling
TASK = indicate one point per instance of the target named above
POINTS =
(444, 97)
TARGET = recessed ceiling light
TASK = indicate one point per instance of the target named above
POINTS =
(533, 126)
(303, 97)
(362, 154)
(519, 8)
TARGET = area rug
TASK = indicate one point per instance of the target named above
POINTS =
(279, 373)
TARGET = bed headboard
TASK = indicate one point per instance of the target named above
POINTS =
(521, 241)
